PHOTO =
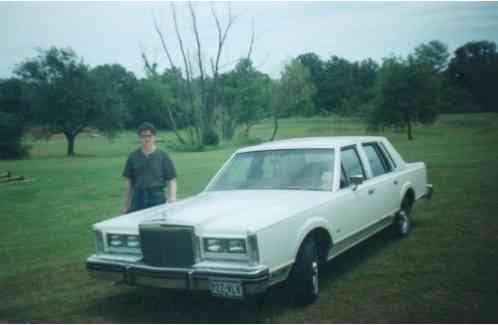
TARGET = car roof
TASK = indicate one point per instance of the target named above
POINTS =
(311, 143)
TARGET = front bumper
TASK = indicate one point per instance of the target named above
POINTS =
(253, 280)
(429, 191)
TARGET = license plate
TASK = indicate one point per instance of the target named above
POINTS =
(226, 288)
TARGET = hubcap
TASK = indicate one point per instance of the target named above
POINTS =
(314, 267)
(404, 222)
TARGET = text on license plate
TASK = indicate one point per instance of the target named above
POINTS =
(224, 288)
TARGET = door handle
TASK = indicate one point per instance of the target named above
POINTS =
(371, 191)
(395, 182)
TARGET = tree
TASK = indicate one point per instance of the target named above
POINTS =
(433, 54)
(407, 93)
(474, 69)
(69, 96)
(15, 114)
(338, 83)
(316, 67)
(150, 100)
(123, 83)
(292, 94)
(203, 89)
(246, 98)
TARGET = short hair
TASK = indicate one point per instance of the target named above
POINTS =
(146, 126)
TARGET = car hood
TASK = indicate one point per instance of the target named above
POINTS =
(213, 212)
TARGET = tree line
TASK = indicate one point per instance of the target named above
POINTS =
(58, 92)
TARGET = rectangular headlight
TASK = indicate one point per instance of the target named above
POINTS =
(115, 240)
(214, 245)
(237, 246)
(224, 245)
(132, 241)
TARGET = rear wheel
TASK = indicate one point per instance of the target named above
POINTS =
(402, 222)
(304, 277)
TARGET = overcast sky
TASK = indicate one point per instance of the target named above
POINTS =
(116, 32)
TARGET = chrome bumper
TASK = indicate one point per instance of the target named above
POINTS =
(429, 191)
(253, 281)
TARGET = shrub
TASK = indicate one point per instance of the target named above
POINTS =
(11, 132)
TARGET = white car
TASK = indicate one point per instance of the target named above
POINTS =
(273, 212)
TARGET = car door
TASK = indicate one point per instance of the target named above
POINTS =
(381, 184)
(349, 203)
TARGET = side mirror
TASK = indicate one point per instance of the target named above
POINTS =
(356, 180)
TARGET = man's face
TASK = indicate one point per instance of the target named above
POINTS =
(147, 139)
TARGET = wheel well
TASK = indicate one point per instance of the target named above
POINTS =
(323, 241)
(409, 198)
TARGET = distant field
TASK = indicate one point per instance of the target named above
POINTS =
(445, 271)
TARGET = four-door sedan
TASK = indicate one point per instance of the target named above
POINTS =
(273, 212)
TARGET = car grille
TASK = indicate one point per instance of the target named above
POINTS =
(167, 246)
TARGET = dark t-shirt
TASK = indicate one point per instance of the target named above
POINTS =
(152, 171)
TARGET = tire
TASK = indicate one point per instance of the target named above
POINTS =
(304, 277)
(402, 221)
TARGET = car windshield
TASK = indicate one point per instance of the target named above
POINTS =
(297, 169)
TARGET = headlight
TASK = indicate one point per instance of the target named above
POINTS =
(132, 241)
(222, 245)
(237, 246)
(114, 240)
(125, 241)
(214, 245)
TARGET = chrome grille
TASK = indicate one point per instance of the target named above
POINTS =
(167, 246)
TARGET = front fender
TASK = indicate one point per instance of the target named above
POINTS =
(307, 227)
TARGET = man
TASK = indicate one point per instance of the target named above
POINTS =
(147, 171)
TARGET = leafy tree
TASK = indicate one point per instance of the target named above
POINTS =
(69, 96)
(433, 54)
(150, 100)
(292, 94)
(407, 93)
(246, 98)
(474, 69)
(316, 67)
(15, 114)
(122, 82)
(338, 83)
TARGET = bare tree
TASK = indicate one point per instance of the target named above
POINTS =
(203, 90)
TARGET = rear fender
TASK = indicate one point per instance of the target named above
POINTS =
(404, 189)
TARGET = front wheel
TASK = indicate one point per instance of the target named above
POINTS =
(305, 274)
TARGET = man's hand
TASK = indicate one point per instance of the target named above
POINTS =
(171, 191)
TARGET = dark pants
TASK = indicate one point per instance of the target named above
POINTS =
(146, 198)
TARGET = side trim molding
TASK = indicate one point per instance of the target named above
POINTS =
(360, 236)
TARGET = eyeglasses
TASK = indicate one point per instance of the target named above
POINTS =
(144, 136)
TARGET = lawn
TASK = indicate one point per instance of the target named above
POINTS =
(446, 270)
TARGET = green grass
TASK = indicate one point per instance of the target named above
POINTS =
(445, 271)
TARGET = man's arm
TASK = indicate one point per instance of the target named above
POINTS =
(128, 192)
(171, 195)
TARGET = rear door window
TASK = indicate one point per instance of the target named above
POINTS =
(376, 158)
